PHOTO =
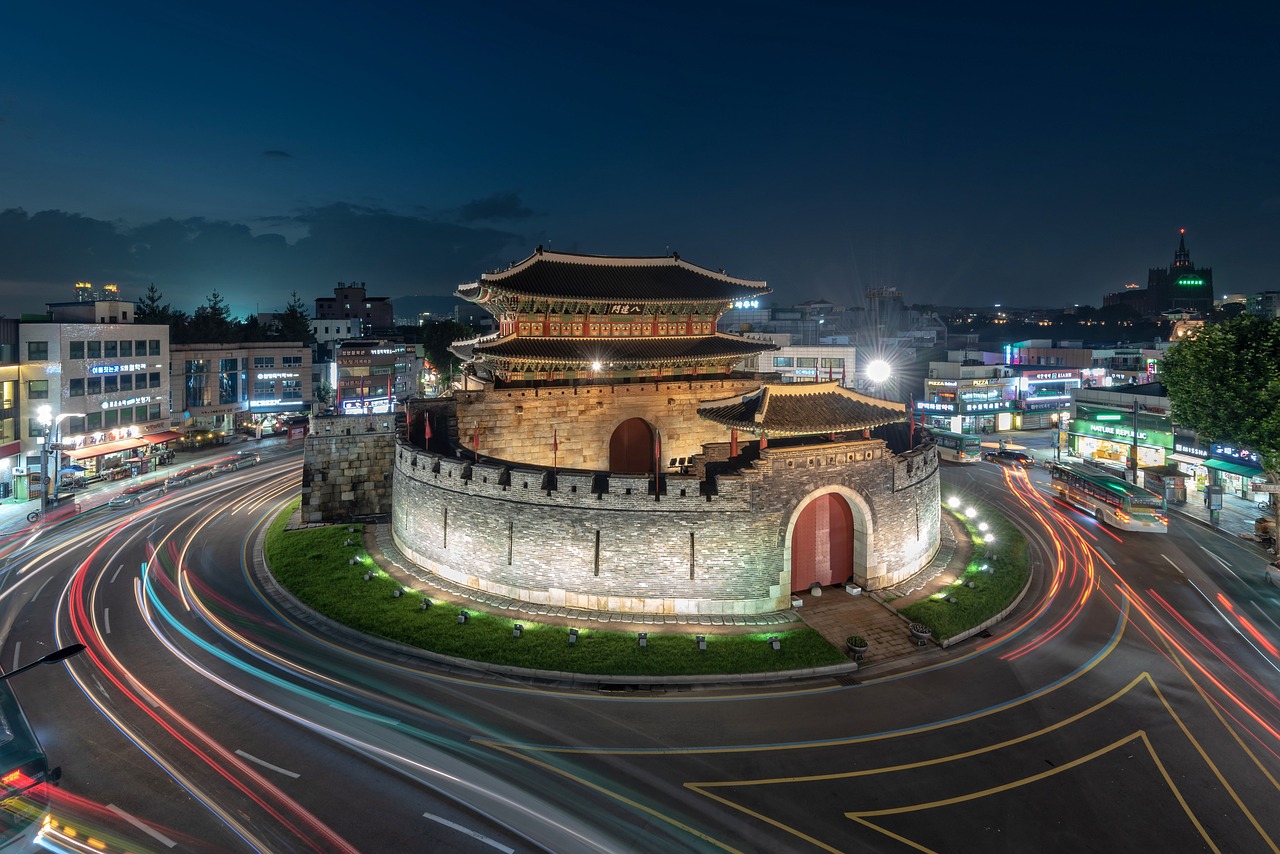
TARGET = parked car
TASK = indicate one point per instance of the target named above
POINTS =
(190, 474)
(132, 496)
(1009, 458)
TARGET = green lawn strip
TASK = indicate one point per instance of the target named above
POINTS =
(992, 591)
(313, 565)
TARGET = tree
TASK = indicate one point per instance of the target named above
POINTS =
(1225, 384)
(212, 323)
(150, 310)
(295, 323)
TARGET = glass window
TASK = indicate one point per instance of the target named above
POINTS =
(783, 362)
(93, 349)
(806, 361)
(153, 414)
(140, 348)
(75, 387)
(37, 390)
(110, 384)
(126, 349)
(93, 422)
(139, 414)
(264, 361)
(155, 379)
(833, 363)
(34, 428)
(292, 389)
(73, 425)
(110, 419)
(126, 382)
(264, 390)
(93, 385)
(109, 350)
(153, 347)
(76, 349)
(37, 351)
(139, 380)
(291, 361)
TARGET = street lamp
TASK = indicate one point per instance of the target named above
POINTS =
(878, 372)
(47, 420)
(52, 658)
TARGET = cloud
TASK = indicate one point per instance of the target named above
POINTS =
(276, 154)
(43, 254)
(499, 206)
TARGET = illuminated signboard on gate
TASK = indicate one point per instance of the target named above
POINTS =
(116, 369)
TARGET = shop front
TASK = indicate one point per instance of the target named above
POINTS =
(1237, 469)
(1044, 396)
(987, 416)
(106, 460)
(1108, 439)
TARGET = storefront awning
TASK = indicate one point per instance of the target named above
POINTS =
(103, 448)
(10, 449)
(1234, 468)
(160, 438)
(1188, 459)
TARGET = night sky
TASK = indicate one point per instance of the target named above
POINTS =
(965, 153)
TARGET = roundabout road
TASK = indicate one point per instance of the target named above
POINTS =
(1124, 704)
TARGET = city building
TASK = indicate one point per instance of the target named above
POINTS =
(1181, 285)
(372, 375)
(222, 389)
(830, 360)
(351, 302)
(10, 378)
(105, 381)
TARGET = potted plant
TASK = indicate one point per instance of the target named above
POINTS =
(921, 633)
(857, 645)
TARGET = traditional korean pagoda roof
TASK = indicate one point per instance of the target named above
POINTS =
(801, 409)
(618, 352)
(565, 276)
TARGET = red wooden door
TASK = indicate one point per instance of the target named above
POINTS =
(822, 543)
(631, 447)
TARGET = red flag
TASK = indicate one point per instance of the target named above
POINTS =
(657, 454)
(555, 447)
(475, 439)
(764, 440)
(426, 424)
(829, 370)
(733, 442)
(911, 410)
(842, 375)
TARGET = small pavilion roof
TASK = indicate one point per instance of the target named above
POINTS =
(801, 409)
(643, 280)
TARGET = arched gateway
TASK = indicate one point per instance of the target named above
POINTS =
(822, 543)
(631, 447)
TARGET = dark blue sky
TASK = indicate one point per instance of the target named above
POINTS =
(1022, 153)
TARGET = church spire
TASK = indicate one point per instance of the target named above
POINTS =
(1182, 258)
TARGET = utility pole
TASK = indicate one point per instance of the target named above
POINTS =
(1133, 453)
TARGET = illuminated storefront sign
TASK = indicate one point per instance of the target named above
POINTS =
(926, 406)
(992, 406)
(1228, 452)
(1190, 450)
(1044, 376)
(942, 383)
(806, 372)
(279, 375)
(128, 401)
(118, 369)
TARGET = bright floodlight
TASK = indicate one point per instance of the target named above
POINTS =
(45, 414)
(969, 512)
(953, 501)
(595, 366)
(878, 371)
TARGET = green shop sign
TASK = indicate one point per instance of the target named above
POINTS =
(1124, 433)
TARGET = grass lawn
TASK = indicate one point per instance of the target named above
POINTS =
(314, 565)
(992, 591)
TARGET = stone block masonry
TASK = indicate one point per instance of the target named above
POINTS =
(346, 470)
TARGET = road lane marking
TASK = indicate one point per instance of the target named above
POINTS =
(17, 648)
(41, 590)
(106, 620)
(143, 826)
(265, 764)
(114, 574)
(486, 840)
(1172, 564)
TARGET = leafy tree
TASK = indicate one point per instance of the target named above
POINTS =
(1225, 384)
(212, 322)
(251, 329)
(295, 323)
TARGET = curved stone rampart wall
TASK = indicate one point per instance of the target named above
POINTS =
(603, 541)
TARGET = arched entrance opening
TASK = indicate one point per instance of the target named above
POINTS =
(822, 543)
(631, 447)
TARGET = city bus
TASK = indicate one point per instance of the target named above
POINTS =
(957, 447)
(1110, 499)
(24, 776)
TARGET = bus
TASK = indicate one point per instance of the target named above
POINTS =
(25, 777)
(957, 447)
(1110, 499)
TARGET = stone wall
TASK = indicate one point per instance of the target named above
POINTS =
(518, 424)
(603, 541)
(346, 469)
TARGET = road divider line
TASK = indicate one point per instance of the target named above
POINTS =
(143, 826)
(114, 574)
(1172, 564)
(106, 620)
(493, 843)
(266, 764)
(17, 649)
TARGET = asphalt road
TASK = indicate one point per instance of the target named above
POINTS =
(1130, 701)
